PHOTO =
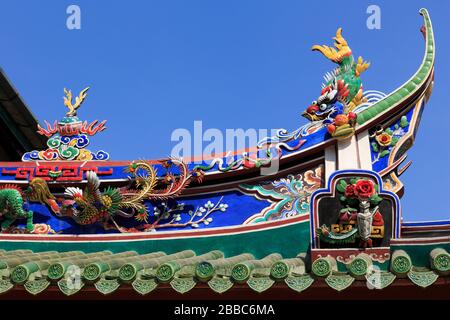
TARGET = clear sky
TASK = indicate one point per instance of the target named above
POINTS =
(154, 66)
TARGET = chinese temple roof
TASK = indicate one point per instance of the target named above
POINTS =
(74, 223)
(76, 271)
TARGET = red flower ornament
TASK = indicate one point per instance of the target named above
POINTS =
(364, 189)
(350, 191)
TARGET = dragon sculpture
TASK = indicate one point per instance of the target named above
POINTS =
(14, 203)
(342, 91)
(12, 207)
(91, 205)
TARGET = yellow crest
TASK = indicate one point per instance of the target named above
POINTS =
(78, 101)
(343, 50)
(361, 66)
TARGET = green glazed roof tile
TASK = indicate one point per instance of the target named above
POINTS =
(107, 272)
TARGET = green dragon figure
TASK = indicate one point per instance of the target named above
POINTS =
(341, 93)
(12, 208)
(14, 202)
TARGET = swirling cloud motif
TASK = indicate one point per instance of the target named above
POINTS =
(54, 142)
(69, 153)
(42, 228)
(66, 148)
(30, 156)
(82, 141)
(49, 154)
(85, 155)
(66, 139)
(101, 155)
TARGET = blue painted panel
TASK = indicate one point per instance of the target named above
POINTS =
(379, 154)
(239, 208)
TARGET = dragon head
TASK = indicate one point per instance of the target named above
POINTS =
(342, 89)
(328, 104)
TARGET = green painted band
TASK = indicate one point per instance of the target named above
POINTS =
(251, 242)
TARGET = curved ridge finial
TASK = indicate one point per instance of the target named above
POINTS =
(413, 85)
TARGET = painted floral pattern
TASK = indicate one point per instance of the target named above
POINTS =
(175, 215)
(289, 196)
(383, 141)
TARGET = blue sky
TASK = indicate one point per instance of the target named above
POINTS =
(154, 66)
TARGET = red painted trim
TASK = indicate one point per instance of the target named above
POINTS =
(420, 240)
(74, 163)
(347, 254)
(425, 228)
